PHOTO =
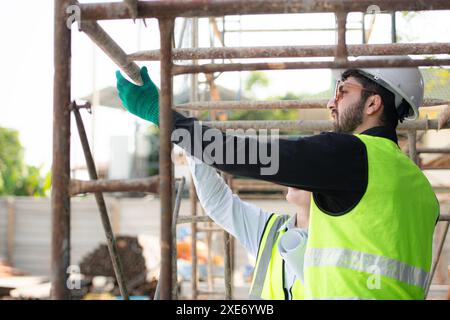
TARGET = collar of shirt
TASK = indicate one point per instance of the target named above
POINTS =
(383, 132)
(289, 224)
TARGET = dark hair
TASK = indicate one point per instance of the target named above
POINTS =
(389, 117)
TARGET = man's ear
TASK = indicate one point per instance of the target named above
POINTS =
(373, 104)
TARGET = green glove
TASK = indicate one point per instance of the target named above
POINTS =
(142, 101)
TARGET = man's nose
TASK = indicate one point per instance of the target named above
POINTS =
(331, 104)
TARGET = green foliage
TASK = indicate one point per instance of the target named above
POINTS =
(17, 178)
(256, 78)
(261, 80)
(277, 114)
(409, 15)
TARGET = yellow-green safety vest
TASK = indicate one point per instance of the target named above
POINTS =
(268, 277)
(382, 247)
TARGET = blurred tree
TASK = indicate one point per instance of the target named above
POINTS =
(258, 79)
(17, 178)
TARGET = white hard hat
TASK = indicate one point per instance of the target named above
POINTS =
(404, 82)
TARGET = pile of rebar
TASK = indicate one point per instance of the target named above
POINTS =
(98, 262)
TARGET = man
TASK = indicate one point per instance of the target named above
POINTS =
(372, 210)
(278, 274)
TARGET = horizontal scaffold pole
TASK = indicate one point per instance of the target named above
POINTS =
(150, 185)
(200, 219)
(433, 150)
(276, 104)
(337, 64)
(217, 8)
(295, 51)
(311, 125)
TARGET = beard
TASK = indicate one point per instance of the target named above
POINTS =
(347, 120)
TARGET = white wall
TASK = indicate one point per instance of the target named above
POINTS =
(32, 230)
(3, 226)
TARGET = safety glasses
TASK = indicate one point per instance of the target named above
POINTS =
(342, 86)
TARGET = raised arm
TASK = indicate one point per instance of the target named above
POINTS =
(328, 163)
(241, 219)
(324, 163)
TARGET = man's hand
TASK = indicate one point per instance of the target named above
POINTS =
(142, 101)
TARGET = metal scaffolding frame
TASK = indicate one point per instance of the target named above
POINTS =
(166, 12)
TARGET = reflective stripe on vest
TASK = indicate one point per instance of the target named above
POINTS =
(366, 262)
(265, 254)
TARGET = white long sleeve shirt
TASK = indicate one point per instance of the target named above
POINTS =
(241, 219)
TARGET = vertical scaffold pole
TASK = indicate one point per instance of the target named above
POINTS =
(166, 27)
(60, 198)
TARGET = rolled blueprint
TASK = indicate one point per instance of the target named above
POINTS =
(292, 246)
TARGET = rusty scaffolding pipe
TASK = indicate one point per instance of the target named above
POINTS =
(110, 239)
(341, 47)
(150, 185)
(132, 6)
(310, 125)
(176, 211)
(166, 27)
(218, 8)
(193, 209)
(433, 150)
(253, 105)
(60, 198)
(412, 141)
(437, 255)
(228, 274)
(197, 219)
(264, 105)
(112, 49)
(192, 191)
(193, 219)
(295, 51)
(229, 67)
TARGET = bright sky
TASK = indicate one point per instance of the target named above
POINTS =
(26, 61)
